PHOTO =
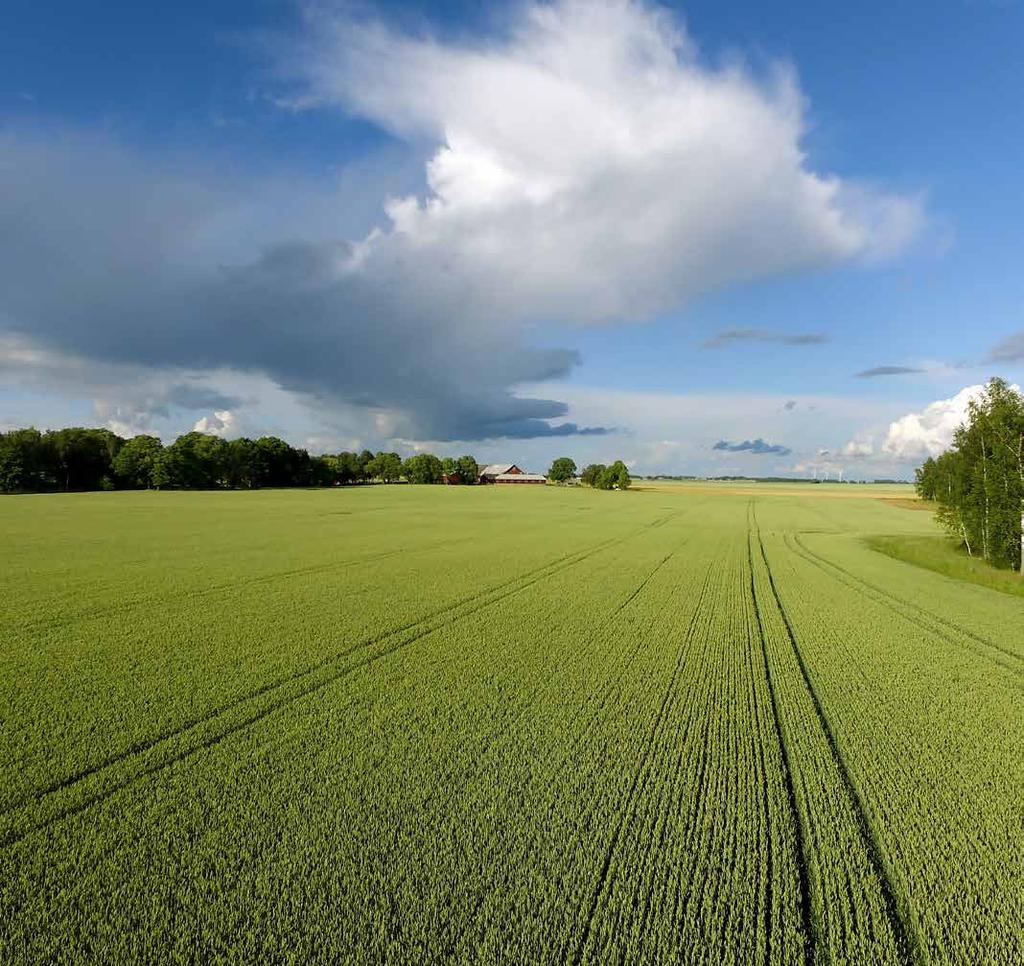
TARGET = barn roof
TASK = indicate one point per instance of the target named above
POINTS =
(496, 469)
(521, 477)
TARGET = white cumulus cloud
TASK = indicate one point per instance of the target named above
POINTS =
(221, 423)
(590, 165)
(930, 431)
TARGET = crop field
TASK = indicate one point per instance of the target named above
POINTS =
(522, 725)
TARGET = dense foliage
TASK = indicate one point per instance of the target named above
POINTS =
(562, 470)
(387, 724)
(601, 477)
(979, 482)
(96, 459)
(462, 470)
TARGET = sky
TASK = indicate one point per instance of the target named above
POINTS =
(705, 238)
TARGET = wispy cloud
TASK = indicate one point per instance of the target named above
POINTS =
(861, 447)
(758, 447)
(731, 336)
(877, 371)
(1011, 349)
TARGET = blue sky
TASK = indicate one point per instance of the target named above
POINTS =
(188, 198)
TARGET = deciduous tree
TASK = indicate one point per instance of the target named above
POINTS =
(136, 462)
(562, 470)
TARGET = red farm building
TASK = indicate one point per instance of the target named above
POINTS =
(508, 473)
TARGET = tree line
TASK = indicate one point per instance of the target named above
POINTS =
(97, 459)
(77, 458)
(597, 475)
(978, 483)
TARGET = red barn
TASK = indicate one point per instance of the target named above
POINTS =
(508, 473)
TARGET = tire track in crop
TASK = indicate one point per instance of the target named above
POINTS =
(145, 744)
(893, 602)
(733, 730)
(811, 941)
(699, 796)
(419, 627)
(625, 659)
(705, 917)
(643, 583)
(631, 796)
(933, 623)
(679, 794)
(944, 799)
(901, 921)
(416, 630)
(491, 735)
(210, 590)
(879, 724)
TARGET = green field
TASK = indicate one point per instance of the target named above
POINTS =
(692, 723)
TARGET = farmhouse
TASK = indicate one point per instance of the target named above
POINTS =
(508, 473)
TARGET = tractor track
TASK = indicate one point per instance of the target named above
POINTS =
(212, 590)
(309, 680)
(904, 929)
(811, 938)
(602, 880)
(930, 622)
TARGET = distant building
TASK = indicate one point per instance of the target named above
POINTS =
(508, 473)
(488, 474)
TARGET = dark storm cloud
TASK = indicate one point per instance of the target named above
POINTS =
(111, 260)
(731, 336)
(757, 447)
(877, 371)
(184, 396)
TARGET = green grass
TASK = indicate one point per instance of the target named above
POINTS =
(942, 555)
(428, 724)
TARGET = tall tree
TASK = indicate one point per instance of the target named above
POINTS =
(195, 461)
(24, 463)
(386, 467)
(323, 470)
(927, 479)
(349, 468)
(365, 459)
(614, 477)
(468, 470)
(136, 462)
(979, 482)
(423, 468)
(562, 470)
(82, 458)
(242, 463)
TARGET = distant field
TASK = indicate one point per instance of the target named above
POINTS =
(695, 723)
(854, 491)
